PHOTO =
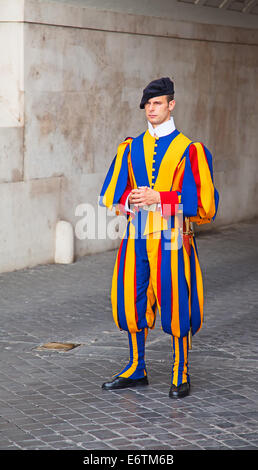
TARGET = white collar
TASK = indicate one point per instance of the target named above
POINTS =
(163, 129)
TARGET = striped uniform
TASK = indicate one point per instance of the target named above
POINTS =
(157, 266)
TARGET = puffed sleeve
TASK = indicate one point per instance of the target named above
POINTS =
(116, 179)
(193, 187)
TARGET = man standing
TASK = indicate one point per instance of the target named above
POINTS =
(158, 179)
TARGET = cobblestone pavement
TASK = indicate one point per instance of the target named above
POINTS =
(54, 400)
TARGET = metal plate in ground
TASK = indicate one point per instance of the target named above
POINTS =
(56, 346)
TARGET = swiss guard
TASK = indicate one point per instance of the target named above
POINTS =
(163, 182)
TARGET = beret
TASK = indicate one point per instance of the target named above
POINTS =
(159, 87)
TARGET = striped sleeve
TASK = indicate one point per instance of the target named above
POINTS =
(116, 179)
(207, 195)
(195, 190)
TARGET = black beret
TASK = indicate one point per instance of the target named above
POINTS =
(159, 87)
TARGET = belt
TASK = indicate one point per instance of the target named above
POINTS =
(187, 227)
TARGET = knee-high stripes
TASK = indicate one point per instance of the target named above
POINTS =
(180, 372)
(135, 369)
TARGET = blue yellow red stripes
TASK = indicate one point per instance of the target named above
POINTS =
(199, 163)
(181, 166)
(148, 274)
(196, 290)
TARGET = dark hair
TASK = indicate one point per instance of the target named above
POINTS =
(170, 97)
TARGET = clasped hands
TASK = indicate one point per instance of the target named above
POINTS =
(143, 195)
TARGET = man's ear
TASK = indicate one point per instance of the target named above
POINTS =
(171, 105)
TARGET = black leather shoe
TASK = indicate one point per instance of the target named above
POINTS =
(179, 392)
(123, 382)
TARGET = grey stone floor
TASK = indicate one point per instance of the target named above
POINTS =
(54, 400)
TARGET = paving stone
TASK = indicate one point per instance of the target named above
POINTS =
(104, 434)
(54, 400)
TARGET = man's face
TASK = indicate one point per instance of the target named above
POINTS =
(158, 110)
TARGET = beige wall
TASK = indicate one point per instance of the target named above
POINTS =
(75, 95)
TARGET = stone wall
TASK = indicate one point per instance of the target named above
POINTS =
(70, 87)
